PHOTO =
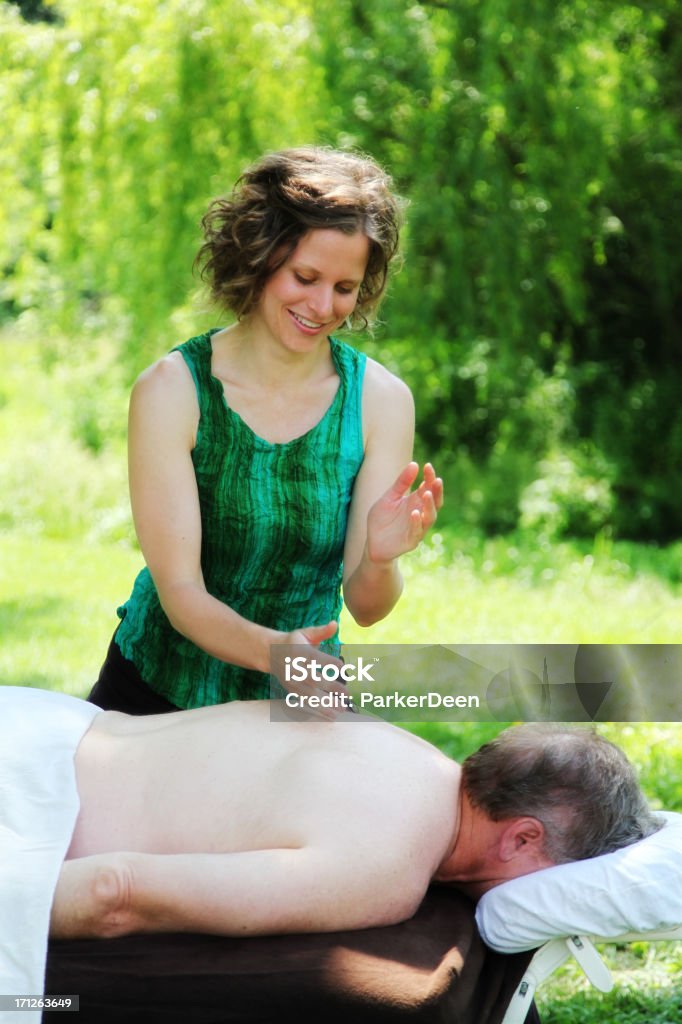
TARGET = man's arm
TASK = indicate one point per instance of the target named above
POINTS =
(262, 892)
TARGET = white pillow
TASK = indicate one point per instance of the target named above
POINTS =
(636, 889)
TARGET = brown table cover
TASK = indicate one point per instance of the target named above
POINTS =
(432, 969)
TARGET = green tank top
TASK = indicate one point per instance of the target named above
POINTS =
(273, 520)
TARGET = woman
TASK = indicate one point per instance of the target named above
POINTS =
(269, 462)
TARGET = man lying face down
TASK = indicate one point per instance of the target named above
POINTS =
(221, 820)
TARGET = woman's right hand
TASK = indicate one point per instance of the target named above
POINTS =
(306, 671)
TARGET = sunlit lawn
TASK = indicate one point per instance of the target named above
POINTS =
(58, 609)
(58, 601)
(579, 602)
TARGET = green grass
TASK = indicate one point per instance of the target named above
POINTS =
(58, 609)
(58, 600)
(647, 988)
(466, 588)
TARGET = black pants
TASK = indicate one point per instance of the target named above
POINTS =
(120, 687)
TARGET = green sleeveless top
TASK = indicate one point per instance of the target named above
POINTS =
(273, 520)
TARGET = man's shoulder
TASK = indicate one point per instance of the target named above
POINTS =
(403, 789)
(404, 752)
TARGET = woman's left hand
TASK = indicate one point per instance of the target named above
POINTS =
(398, 521)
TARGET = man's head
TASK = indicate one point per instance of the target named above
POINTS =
(580, 788)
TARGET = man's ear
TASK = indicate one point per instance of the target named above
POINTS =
(523, 840)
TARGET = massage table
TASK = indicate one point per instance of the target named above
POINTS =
(582, 947)
(432, 969)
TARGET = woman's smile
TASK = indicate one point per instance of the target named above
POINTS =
(306, 325)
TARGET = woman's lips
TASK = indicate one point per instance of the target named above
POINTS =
(310, 326)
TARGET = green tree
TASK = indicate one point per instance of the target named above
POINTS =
(519, 130)
(126, 120)
(538, 143)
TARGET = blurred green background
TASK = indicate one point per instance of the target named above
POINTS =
(539, 145)
(537, 316)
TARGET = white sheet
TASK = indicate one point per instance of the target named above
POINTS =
(39, 734)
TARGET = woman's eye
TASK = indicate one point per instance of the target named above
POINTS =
(342, 289)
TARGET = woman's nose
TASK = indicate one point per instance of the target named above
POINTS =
(322, 302)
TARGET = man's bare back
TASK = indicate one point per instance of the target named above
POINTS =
(366, 811)
(227, 779)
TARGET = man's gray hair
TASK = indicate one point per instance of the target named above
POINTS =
(579, 785)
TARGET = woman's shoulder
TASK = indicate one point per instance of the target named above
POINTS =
(384, 386)
(167, 387)
(387, 405)
(178, 370)
(168, 372)
(376, 376)
(163, 404)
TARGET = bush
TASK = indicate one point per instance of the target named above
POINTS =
(570, 497)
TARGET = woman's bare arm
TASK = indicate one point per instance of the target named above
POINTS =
(387, 517)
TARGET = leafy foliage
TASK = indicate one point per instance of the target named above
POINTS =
(538, 143)
(540, 146)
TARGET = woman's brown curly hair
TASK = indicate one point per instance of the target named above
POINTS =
(252, 232)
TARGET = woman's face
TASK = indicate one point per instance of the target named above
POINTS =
(316, 288)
